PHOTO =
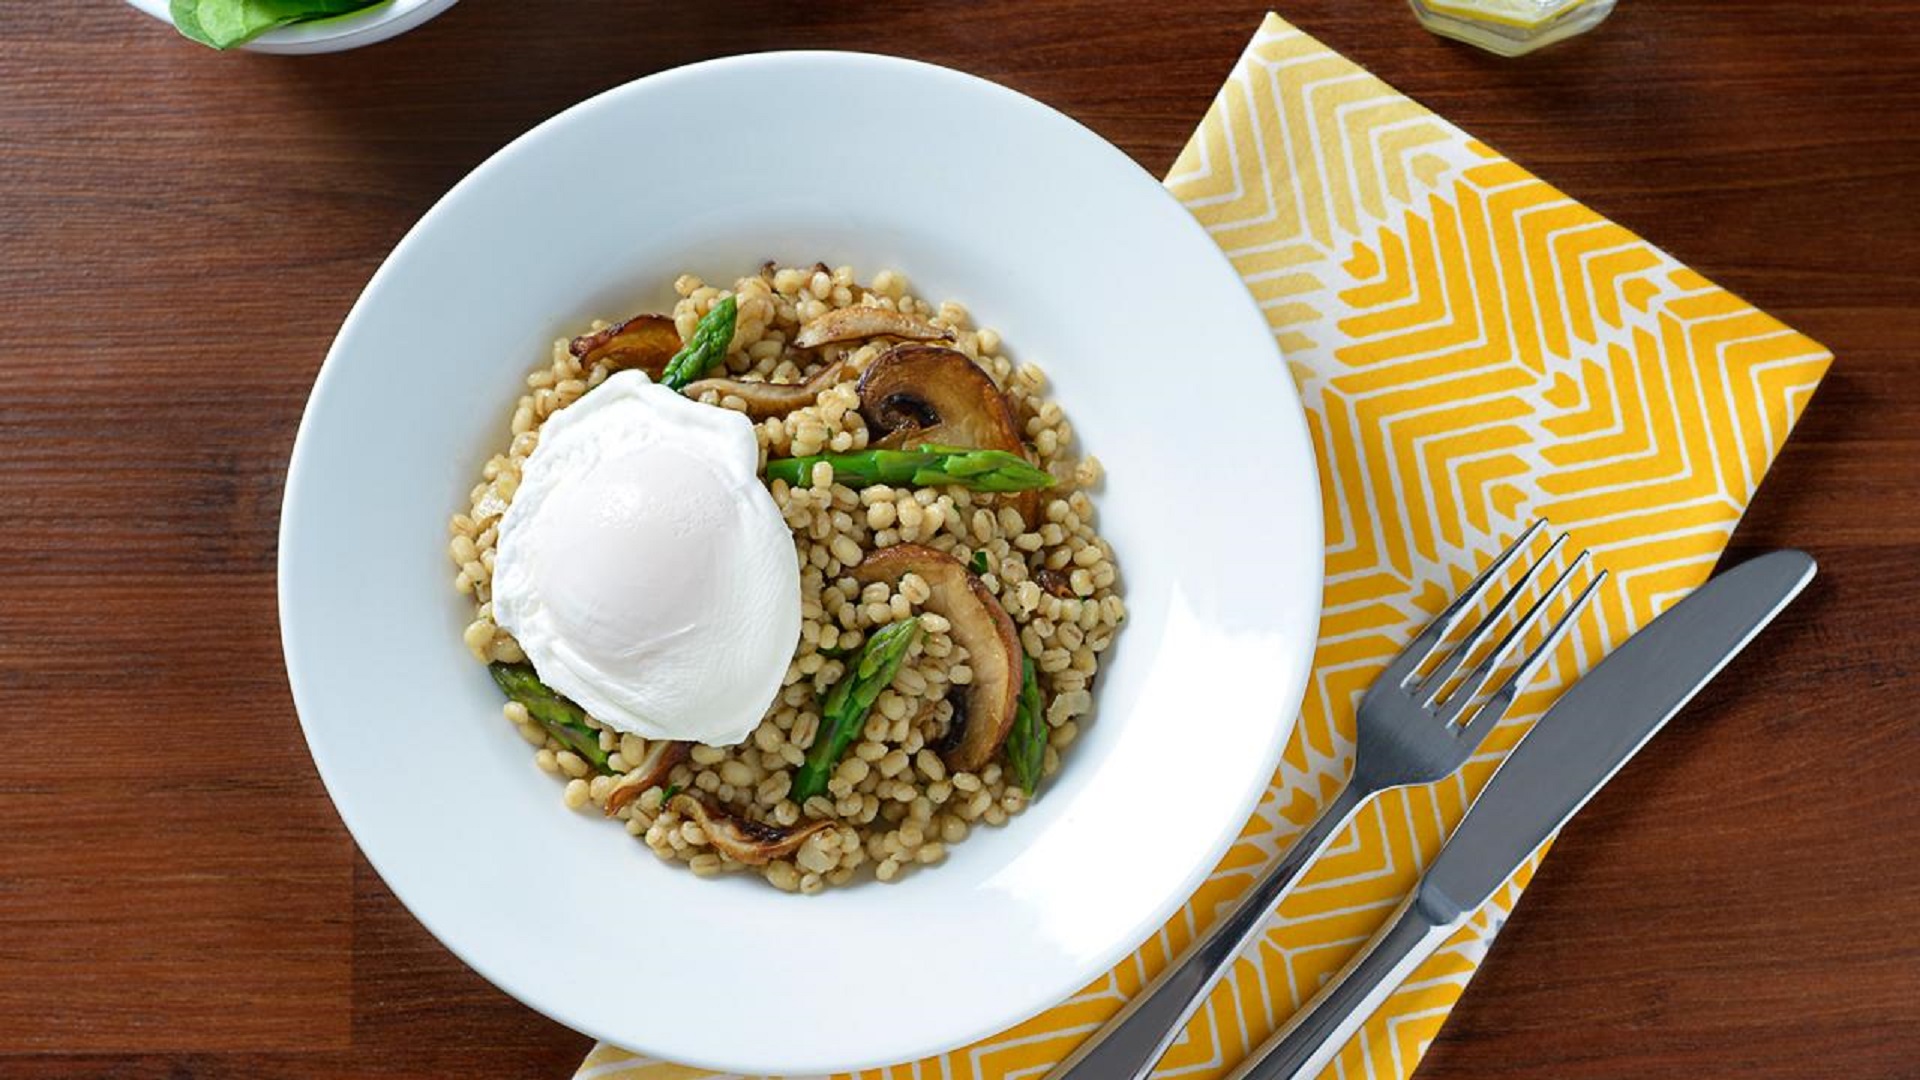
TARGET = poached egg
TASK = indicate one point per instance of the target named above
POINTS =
(644, 568)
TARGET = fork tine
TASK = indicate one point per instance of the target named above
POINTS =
(1402, 669)
(1436, 682)
(1502, 699)
(1470, 688)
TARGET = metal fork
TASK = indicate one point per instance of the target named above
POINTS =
(1412, 728)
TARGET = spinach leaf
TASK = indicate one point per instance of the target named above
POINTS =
(226, 23)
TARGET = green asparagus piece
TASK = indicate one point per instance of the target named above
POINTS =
(845, 713)
(927, 466)
(705, 347)
(1027, 739)
(562, 718)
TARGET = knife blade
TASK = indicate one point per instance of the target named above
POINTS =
(1609, 714)
(1571, 752)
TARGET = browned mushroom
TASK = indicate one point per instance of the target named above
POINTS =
(916, 394)
(772, 399)
(652, 771)
(646, 342)
(755, 843)
(859, 323)
(929, 393)
(980, 625)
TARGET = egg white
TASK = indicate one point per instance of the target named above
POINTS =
(645, 569)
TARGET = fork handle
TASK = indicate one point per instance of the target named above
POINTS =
(1139, 1034)
(1314, 1036)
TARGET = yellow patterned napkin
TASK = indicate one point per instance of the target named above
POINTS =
(1475, 350)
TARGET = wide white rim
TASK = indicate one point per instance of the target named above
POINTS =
(1288, 429)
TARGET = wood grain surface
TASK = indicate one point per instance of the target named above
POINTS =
(182, 232)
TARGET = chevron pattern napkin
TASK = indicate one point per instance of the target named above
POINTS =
(1475, 350)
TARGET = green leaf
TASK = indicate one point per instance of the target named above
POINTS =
(186, 19)
(979, 562)
(224, 24)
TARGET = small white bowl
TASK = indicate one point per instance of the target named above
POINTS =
(1049, 234)
(330, 35)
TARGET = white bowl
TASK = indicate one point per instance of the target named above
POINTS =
(330, 35)
(1046, 232)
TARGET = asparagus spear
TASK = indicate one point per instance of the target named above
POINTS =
(562, 718)
(1027, 739)
(845, 712)
(705, 347)
(927, 466)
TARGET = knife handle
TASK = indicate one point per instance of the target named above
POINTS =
(1140, 1033)
(1314, 1036)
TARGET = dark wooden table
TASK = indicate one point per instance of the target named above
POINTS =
(181, 233)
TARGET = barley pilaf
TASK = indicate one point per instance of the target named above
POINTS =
(957, 737)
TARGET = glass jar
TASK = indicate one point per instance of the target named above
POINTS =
(1510, 27)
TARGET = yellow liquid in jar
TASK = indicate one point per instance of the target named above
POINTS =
(1510, 27)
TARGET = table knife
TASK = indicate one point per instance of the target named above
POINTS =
(1571, 752)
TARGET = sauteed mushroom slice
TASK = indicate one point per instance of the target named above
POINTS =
(652, 771)
(645, 342)
(772, 399)
(918, 393)
(755, 843)
(862, 322)
(979, 624)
